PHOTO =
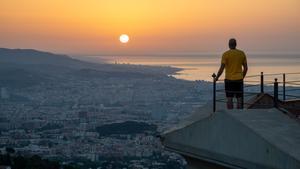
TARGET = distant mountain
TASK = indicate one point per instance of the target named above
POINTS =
(25, 57)
(27, 67)
(31, 56)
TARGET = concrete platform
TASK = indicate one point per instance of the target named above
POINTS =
(251, 138)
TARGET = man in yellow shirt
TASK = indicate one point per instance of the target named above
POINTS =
(234, 62)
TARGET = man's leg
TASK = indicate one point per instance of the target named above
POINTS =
(229, 94)
(229, 103)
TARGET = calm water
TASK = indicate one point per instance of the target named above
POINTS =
(201, 67)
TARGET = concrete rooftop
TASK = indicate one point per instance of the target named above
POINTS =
(249, 138)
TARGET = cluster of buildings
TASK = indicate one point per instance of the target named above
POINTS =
(59, 119)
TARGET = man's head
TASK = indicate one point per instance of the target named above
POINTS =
(232, 43)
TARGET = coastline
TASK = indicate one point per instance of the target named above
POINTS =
(201, 67)
(156, 69)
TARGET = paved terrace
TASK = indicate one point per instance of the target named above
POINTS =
(249, 138)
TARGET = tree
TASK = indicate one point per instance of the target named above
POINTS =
(19, 162)
(10, 150)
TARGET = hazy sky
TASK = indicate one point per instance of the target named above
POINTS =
(155, 26)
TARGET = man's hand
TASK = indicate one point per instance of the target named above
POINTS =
(221, 69)
(245, 69)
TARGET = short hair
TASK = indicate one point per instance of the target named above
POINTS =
(232, 43)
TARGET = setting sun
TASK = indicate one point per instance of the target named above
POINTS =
(124, 38)
(168, 26)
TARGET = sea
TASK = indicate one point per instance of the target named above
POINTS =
(202, 66)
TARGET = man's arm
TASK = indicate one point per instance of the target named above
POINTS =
(221, 69)
(245, 69)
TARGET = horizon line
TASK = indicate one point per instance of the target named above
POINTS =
(197, 53)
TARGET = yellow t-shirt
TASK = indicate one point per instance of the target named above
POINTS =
(234, 60)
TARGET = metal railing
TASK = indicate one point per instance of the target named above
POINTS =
(284, 88)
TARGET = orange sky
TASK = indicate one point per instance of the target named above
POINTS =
(93, 27)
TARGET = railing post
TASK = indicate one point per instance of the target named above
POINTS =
(275, 93)
(261, 82)
(214, 92)
(283, 86)
(242, 106)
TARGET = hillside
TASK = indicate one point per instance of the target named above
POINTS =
(30, 57)
(28, 67)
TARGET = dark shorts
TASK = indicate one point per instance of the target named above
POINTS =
(234, 88)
